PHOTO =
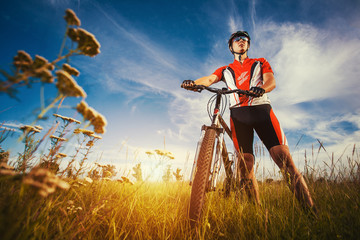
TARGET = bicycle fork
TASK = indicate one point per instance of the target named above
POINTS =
(217, 157)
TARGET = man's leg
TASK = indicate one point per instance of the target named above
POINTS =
(248, 179)
(282, 157)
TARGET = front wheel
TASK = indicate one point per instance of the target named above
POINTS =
(201, 179)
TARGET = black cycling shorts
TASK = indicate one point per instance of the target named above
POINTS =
(261, 118)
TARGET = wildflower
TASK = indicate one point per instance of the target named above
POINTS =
(68, 86)
(170, 155)
(73, 34)
(45, 181)
(82, 107)
(99, 121)
(4, 156)
(72, 209)
(90, 114)
(41, 68)
(95, 136)
(89, 180)
(67, 118)
(71, 18)
(126, 180)
(38, 127)
(81, 183)
(72, 71)
(41, 62)
(5, 169)
(99, 165)
(45, 76)
(60, 155)
(99, 129)
(22, 60)
(29, 129)
(87, 43)
(90, 143)
(58, 138)
(150, 153)
(83, 131)
(165, 153)
(107, 173)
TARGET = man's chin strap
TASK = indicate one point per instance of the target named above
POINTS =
(233, 52)
(239, 53)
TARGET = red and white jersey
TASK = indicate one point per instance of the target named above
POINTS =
(244, 76)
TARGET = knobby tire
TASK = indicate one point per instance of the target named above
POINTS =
(201, 179)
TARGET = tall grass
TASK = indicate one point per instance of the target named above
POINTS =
(114, 210)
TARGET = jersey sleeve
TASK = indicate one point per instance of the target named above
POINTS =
(266, 66)
(219, 72)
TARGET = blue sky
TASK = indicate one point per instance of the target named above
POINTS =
(149, 47)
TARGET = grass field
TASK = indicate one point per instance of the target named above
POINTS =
(114, 210)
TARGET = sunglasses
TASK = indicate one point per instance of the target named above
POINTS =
(236, 39)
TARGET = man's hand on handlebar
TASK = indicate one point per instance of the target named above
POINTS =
(253, 92)
(257, 91)
(189, 85)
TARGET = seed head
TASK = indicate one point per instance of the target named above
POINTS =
(82, 107)
(68, 86)
(28, 129)
(87, 43)
(5, 169)
(67, 119)
(22, 61)
(60, 155)
(71, 18)
(41, 62)
(84, 131)
(87, 179)
(73, 34)
(95, 136)
(90, 114)
(58, 138)
(72, 71)
(99, 129)
(126, 180)
(45, 76)
(165, 153)
(45, 181)
(90, 143)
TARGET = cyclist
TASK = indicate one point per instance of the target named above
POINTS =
(249, 113)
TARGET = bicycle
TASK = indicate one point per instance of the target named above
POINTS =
(207, 164)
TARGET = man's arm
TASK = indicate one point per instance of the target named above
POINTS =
(268, 85)
(268, 82)
(206, 81)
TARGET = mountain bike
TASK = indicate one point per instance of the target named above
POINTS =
(207, 163)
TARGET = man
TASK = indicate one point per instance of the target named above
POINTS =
(254, 113)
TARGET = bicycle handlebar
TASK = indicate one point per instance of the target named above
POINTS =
(222, 91)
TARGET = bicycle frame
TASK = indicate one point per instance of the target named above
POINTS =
(211, 152)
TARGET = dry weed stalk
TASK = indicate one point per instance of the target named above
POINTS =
(90, 138)
(28, 71)
(24, 159)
